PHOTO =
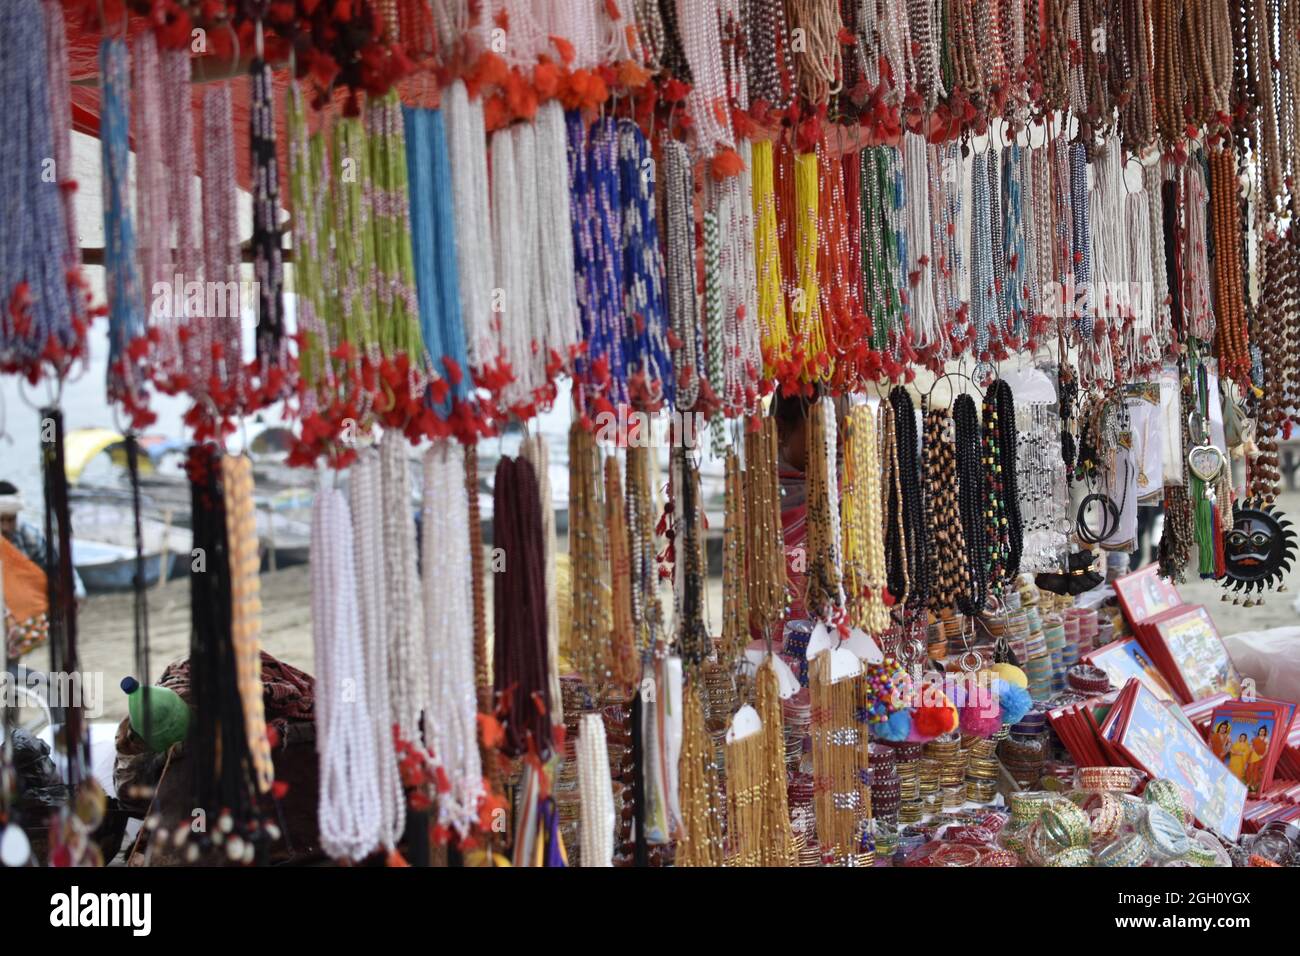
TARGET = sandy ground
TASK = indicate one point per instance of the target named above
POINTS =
(107, 633)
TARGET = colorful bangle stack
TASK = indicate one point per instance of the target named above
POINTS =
(1074, 856)
(1117, 779)
(999, 856)
(1130, 850)
(1065, 824)
(1106, 815)
(955, 854)
(1164, 833)
(1168, 796)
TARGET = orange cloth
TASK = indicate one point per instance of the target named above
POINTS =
(24, 584)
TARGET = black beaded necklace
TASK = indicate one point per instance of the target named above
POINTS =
(971, 495)
(912, 498)
(1003, 402)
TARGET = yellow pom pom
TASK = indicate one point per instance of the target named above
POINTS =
(1011, 674)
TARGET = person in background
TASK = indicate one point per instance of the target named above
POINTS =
(25, 536)
(791, 414)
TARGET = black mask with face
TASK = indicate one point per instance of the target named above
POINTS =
(1258, 548)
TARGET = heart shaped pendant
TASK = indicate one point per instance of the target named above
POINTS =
(1205, 462)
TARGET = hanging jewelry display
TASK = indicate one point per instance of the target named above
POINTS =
(598, 818)
(776, 841)
(972, 494)
(245, 561)
(908, 481)
(864, 540)
(434, 234)
(692, 638)
(1006, 530)
(839, 748)
(349, 808)
(268, 267)
(1041, 481)
(764, 547)
(735, 592)
(450, 722)
(408, 666)
(946, 544)
(647, 613)
(535, 449)
(222, 786)
(824, 593)
(700, 843)
(745, 799)
(624, 663)
(520, 680)
(589, 632)
(365, 497)
(123, 286)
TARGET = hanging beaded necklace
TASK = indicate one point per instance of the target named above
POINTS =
(735, 594)
(451, 719)
(349, 808)
(700, 843)
(771, 77)
(647, 615)
(864, 544)
(679, 268)
(983, 294)
(823, 595)
(366, 507)
(764, 548)
(775, 334)
(693, 643)
(945, 542)
(268, 267)
(245, 609)
(408, 670)
(646, 342)
(520, 679)
(908, 479)
(122, 281)
(624, 662)
(839, 750)
(589, 610)
(535, 449)
(972, 495)
(467, 150)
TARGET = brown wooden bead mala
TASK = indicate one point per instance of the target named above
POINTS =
(1229, 287)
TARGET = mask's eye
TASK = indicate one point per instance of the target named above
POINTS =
(1259, 539)
(1237, 539)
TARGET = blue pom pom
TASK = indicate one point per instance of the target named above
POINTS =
(1014, 701)
(897, 727)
